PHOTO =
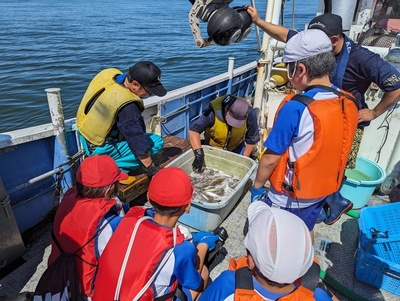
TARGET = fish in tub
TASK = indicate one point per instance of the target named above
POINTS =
(227, 174)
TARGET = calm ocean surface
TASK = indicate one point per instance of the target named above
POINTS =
(63, 44)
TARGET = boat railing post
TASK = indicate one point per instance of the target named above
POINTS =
(58, 121)
(272, 15)
(231, 64)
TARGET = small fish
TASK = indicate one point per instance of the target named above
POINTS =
(212, 185)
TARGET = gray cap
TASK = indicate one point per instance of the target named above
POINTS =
(306, 44)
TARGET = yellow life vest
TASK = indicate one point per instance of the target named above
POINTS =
(217, 135)
(98, 109)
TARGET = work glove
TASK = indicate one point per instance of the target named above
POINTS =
(258, 194)
(197, 236)
(151, 170)
(210, 241)
(198, 164)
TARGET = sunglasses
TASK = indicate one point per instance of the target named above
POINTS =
(290, 77)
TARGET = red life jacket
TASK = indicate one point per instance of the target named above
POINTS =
(148, 249)
(75, 223)
(244, 290)
(319, 172)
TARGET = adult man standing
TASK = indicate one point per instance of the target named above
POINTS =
(307, 149)
(229, 123)
(356, 68)
(109, 116)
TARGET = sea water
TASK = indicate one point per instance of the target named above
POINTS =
(63, 44)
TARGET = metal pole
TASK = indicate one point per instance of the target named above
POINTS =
(273, 9)
(57, 118)
(231, 64)
(257, 29)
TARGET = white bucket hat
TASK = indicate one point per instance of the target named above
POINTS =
(279, 242)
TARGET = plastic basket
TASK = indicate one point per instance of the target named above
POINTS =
(380, 231)
(378, 254)
(377, 272)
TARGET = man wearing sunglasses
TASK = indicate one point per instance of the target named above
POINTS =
(356, 68)
(307, 149)
(110, 120)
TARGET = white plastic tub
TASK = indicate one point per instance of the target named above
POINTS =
(206, 216)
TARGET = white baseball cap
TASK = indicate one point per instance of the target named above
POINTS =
(279, 242)
(306, 44)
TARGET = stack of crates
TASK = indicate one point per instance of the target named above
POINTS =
(378, 253)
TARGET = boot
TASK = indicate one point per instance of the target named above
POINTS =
(321, 216)
(337, 206)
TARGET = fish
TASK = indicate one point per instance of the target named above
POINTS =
(212, 185)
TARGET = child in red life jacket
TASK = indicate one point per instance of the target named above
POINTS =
(280, 251)
(148, 257)
(87, 216)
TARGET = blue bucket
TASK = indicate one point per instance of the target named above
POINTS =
(362, 181)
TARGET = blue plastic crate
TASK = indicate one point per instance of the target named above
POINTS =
(377, 272)
(380, 231)
(378, 253)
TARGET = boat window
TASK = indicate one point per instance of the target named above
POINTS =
(386, 9)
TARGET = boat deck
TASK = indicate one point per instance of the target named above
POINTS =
(173, 147)
(338, 262)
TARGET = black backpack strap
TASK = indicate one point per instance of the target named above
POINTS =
(311, 278)
(166, 297)
(244, 279)
(178, 293)
(338, 93)
(98, 231)
(56, 241)
(303, 99)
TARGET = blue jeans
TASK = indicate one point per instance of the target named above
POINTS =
(309, 214)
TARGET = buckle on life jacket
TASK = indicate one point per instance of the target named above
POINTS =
(290, 164)
(287, 187)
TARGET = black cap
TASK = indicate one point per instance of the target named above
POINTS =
(148, 75)
(329, 23)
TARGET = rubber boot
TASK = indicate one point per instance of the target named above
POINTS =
(322, 216)
(337, 206)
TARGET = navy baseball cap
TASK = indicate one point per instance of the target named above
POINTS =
(148, 75)
(331, 24)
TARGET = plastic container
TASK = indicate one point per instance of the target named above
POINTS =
(206, 216)
(378, 253)
(388, 184)
(362, 181)
(377, 272)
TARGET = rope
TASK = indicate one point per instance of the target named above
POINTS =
(156, 119)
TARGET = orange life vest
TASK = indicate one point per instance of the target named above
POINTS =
(75, 223)
(244, 290)
(319, 172)
(149, 247)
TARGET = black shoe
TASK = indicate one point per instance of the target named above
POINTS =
(337, 206)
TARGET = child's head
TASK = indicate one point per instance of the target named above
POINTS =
(170, 191)
(279, 243)
(309, 51)
(98, 176)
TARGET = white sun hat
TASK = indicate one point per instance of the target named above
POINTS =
(279, 242)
